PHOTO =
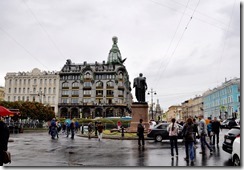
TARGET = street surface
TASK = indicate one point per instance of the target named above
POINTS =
(38, 149)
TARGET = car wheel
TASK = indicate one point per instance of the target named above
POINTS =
(158, 138)
(236, 161)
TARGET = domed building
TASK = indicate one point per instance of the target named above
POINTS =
(92, 90)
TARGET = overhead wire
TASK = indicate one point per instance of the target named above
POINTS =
(224, 45)
(156, 79)
(178, 41)
(19, 44)
(44, 30)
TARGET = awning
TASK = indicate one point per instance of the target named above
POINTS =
(5, 112)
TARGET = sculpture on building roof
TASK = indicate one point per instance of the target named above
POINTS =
(114, 56)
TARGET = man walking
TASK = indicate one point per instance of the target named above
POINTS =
(215, 129)
(4, 136)
(203, 134)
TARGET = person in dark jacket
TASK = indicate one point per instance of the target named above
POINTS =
(4, 136)
(72, 129)
(189, 138)
(140, 133)
(215, 128)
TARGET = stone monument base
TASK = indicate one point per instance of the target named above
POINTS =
(139, 111)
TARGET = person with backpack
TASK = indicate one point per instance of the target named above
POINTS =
(173, 136)
(189, 138)
(4, 136)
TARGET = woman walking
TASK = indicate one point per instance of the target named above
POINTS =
(173, 136)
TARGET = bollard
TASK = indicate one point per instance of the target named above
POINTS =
(122, 131)
(82, 129)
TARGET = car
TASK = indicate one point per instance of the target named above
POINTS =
(229, 123)
(159, 132)
(229, 138)
(236, 152)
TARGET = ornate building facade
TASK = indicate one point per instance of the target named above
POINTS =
(92, 90)
(1, 93)
(37, 85)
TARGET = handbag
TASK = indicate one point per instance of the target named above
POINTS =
(6, 157)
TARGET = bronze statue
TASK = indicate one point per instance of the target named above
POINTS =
(141, 87)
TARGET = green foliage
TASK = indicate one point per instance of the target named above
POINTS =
(33, 110)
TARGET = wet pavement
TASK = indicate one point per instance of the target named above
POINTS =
(38, 149)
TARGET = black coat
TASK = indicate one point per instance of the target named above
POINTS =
(4, 136)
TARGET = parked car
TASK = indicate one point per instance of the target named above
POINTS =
(229, 123)
(229, 138)
(236, 153)
(159, 132)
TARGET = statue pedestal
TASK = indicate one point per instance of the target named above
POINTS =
(139, 111)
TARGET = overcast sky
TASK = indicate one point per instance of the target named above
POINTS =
(182, 47)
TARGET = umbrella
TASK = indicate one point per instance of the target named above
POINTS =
(67, 121)
(5, 112)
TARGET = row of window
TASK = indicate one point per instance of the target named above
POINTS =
(28, 90)
(35, 81)
(44, 99)
(89, 84)
(89, 92)
(219, 102)
(89, 100)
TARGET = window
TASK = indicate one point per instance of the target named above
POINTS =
(34, 81)
(29, 81)
(87, 84)
(24, 81)
(87, 75)
(19, 90)
(49, 90)
(10, 81)
(74, 100)
(28, 90)
(50, 81)
(75, 92)
(64, 100)
(45, 90)
(99, 84)
(40, 81)
(34, 90)
(54, 90)
(110, 92)
(87, 92)
(110, 84)
(15, 90)
(99, 92)
(65, 84)
(9, 90)
(75, 84)
(86, 100)
(121, 92)
(65, 92)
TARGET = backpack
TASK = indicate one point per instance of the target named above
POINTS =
(188, 132)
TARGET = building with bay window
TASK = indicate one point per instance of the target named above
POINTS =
(90, 90)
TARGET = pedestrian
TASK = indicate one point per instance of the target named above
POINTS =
(173, 136)
(215, 128)
(210, 133)
(188, 134)
(140, 133)
(100, 130)
(196, 134)
(203, 134)
(72, 129)
(77, 126)
(118, 124)
(67, 129)
(90, 129)
(4, 131)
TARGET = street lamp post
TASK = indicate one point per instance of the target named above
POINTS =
(152, 93)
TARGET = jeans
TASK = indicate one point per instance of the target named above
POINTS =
(173, 143)
(217, 135)
(204, 142)
(189, 146)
